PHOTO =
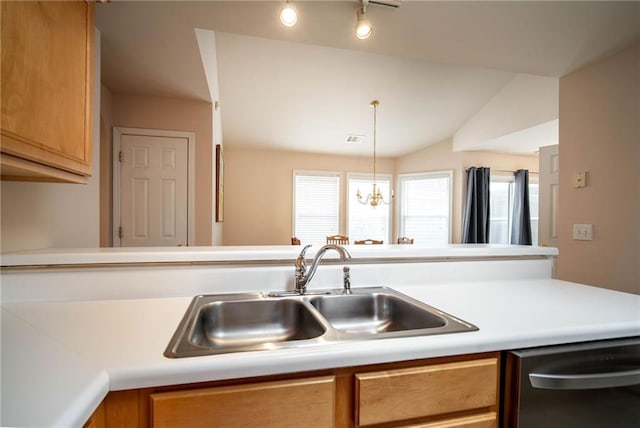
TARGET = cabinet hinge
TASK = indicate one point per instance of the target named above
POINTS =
(120, 156)
(120, 234)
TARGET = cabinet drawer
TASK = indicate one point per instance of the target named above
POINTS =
(308, 402)
(483, 420)
(396, 395)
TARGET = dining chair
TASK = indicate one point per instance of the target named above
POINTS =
(338, 239)
(369, 242)
(295, 241)
(404, 240)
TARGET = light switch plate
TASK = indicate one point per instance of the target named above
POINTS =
(583, 232)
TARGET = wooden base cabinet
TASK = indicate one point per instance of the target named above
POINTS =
(47, 90)
(451, 392)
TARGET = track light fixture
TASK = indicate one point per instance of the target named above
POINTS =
(364, 29)
(288, 15)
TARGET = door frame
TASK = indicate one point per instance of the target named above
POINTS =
(547, 205)
(118, 132)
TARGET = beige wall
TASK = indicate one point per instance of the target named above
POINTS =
(259, 192)
(136, 111)
(441, 157)
(600, 134)
(54, 215)
(500, 162)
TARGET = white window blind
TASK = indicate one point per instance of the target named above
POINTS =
(316, 206)
(425, 207)
(365, 221)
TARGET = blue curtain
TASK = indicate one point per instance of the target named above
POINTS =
(521, 220)
(475, 228)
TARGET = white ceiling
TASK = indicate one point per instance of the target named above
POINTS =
(432, 64)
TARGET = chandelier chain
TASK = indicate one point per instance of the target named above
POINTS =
(375, 116)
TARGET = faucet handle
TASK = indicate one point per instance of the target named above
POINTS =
(304, 250)
(301, 271)
(301, 263)
(302, 253)
(346, 279)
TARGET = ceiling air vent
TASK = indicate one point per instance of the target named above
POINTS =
(354, 139)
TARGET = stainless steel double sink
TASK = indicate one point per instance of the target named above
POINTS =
(224, 323)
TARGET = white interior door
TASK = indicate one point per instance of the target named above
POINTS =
(549, 188)
(153, 191)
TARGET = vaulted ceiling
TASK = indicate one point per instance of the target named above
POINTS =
(433, 64)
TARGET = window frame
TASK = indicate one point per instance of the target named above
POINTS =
(449, 174)
(369, 176)
(509, 177)
(534, 178)
(304, 172)
(504, 177)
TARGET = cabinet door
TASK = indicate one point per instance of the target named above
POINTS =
(47, 85)
(432, 390)
(308, 402)
(97, 419)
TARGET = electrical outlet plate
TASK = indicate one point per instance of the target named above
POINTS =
(580, 180)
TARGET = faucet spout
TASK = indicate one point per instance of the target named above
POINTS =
(304, 275)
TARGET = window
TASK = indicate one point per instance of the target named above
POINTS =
(425, 207)
(316, 206)
(534, 192)
(501, 203)
(365, 221)
(501, 207)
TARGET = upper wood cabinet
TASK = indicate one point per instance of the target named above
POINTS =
(47, 88)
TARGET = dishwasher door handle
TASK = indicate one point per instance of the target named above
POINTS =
(584, 381)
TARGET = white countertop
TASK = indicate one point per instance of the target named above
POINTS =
(80, 256)
(60, 359)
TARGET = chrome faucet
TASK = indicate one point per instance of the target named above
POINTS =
(304, 275)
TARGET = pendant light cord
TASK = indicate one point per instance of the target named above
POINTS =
(374, 103)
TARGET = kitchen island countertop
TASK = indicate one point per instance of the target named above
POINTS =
(59, 359)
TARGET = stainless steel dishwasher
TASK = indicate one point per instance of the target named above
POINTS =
(584, 385)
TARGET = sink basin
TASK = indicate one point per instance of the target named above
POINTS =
(215, 324)
(375, 313)
(223, 323)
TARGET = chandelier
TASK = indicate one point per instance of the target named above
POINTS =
(375, 198)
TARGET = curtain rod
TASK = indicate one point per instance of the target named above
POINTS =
(503, 170)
